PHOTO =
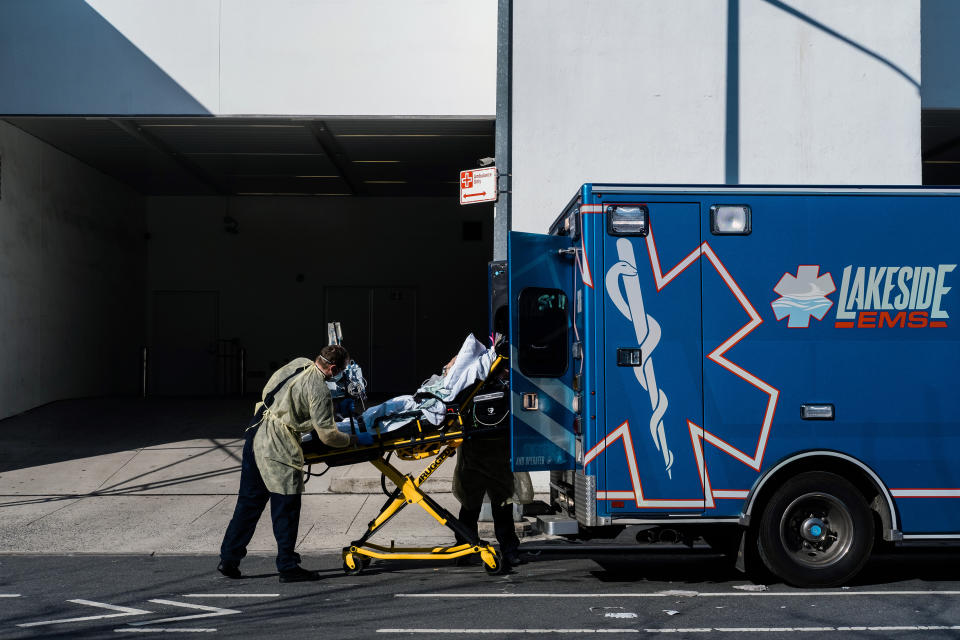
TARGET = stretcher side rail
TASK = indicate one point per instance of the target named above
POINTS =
(424, 439)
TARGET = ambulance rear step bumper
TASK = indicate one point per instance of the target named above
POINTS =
(555, 525)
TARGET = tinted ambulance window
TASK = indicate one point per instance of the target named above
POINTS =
(542, 326)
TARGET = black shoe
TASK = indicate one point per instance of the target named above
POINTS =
(229, 570)
(298, 574)
(514, 558)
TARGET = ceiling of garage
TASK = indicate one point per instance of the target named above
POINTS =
(303, 156)
(273, 156)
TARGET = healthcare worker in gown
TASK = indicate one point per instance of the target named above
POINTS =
(295, 400)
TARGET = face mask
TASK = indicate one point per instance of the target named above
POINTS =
(337, 377)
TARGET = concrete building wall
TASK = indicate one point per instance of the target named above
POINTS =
(72, 272)
(805, 92)
(272, 273)
(248, 57)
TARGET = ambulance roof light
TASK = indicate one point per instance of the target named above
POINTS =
(730, 220)
(627, 220)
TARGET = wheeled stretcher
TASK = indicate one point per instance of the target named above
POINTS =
(418, 440)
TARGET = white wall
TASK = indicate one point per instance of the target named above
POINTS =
(372, 57)
(403, 242)
(248, 57)
(832, 96)
(72, 271)
(638, 91)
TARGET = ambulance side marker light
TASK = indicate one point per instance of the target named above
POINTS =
(731, 220)
(816, 412)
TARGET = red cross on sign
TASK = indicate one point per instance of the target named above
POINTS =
(478, 185)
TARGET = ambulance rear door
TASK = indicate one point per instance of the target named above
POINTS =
(541, 270)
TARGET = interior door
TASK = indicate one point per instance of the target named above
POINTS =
(652, 360)
(379, 327)
(183, 358)
(393, 357)
(541, 371)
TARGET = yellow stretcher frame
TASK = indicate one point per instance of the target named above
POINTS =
(441, 442)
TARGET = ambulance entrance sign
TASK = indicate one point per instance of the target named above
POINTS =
(478, 185)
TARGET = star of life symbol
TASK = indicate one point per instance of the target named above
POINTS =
(803, 296)
(647, 331)
(699, 437)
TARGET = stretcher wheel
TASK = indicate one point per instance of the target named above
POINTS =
(498, 565)
(361, 562)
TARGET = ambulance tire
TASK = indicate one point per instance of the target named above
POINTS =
(816, 531)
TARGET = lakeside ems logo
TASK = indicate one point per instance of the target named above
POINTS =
(910, 297)
(803, 296)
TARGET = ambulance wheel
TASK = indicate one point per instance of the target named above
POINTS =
(816, 531)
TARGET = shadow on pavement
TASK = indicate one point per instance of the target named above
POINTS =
(700, 566)
(72, 429)
(926, 564)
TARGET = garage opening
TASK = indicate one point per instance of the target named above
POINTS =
(259, 231)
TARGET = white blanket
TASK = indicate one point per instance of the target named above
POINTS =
(473, 363)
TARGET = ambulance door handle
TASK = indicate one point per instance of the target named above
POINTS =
(630, 357)
(567, 252)
(530, 402)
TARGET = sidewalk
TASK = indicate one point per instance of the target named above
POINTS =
(161, 475)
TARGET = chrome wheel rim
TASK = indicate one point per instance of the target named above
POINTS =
(816, 530)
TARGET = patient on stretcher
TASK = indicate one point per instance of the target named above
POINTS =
(471, 363)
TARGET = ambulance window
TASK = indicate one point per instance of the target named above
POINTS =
(542, 326)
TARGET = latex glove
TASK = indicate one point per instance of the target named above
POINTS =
(348, 407)
(364, 439)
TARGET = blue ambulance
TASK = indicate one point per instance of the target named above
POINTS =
(771, 368)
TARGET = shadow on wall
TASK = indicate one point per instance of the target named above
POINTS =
(732, 111)
(62, 57)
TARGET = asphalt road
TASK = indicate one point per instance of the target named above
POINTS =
(580, 591)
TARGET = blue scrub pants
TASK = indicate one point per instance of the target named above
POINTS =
(251, 500)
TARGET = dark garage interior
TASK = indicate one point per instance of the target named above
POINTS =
(258, 231)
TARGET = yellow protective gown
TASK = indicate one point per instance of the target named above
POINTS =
(302, 404)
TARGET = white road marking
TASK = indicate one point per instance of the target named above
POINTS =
(810, 629)
(127, 630)
(770, 629)
(231, 595)
(675, 630)
(124, 611)
(503, 631)
(691, 594)
(211, 612)
(9, 595)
